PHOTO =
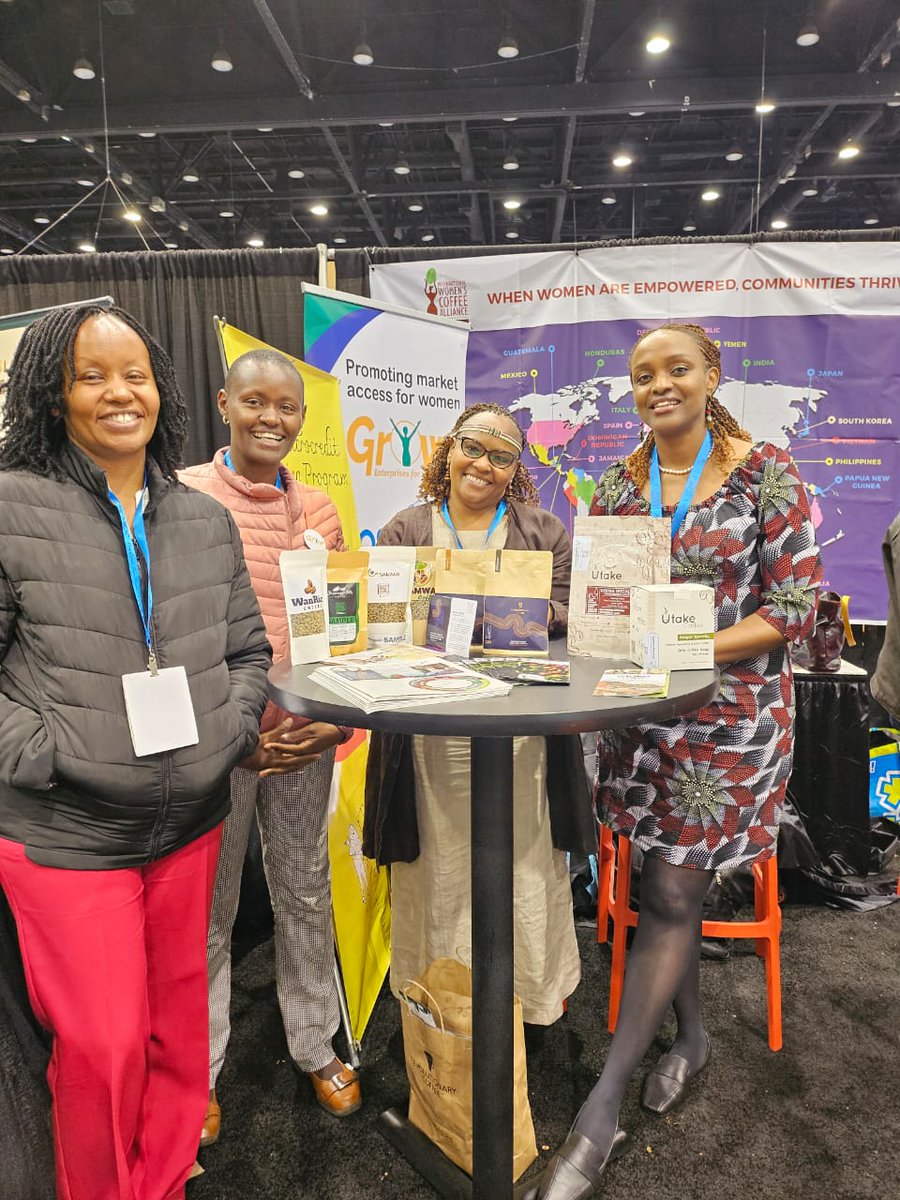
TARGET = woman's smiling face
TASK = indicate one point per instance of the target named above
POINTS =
(475, 482)
(670, 382)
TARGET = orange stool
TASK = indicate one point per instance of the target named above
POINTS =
(614, 884)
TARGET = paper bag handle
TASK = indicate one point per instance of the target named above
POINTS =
(845, 617)
(425, 991)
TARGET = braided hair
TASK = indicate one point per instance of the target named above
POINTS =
(435, 482)
(32, 434)
(719, 420)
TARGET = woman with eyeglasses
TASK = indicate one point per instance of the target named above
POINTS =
(478, 493)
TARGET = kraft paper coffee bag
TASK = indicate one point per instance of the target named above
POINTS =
(517, 603)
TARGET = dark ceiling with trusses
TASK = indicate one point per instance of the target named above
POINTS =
(198, 156)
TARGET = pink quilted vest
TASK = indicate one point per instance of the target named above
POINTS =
(270, 520)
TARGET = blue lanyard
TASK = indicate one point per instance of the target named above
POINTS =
(498, 517)
(134, 569)
(689, 488)
(230, 465)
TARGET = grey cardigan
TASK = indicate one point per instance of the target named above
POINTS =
(885, 684)
(71, 788)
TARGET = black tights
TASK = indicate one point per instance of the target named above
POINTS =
(663, 969)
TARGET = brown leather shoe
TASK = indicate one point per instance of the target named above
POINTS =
(340, 1095)
(213, 1121)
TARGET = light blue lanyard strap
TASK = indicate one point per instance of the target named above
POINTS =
(689, 488)
(134, 568)
(230, 465)
(498, 517)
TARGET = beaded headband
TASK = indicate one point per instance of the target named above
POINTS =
(497, 433)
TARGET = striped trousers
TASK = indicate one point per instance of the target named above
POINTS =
(292, 811)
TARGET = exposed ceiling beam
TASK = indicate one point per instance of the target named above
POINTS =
(565, 161)
(474, 103)
(359, 196)
(298, 75)
(24, 234)
(459, 138)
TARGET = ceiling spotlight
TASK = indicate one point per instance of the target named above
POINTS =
(29, 141)
(658, 43)
(226, 212)
(221, 61)
(638, 112)
(512, 204)
(622, 159)
(510, 163)
(156, 204)
(319, 210)
(427, 236)
(386, 124)
(83, 69)
(401, 167)
(183, 226)
(889, 103)
(255, 241)
(690, 225)
(735, 153)
(509, 120)
(24, 95)
(41, 218)
(191, 176)
(512, 234)
(6, 250)
(363, 56)
(265, 128)
(126, 179)
(339, 240)
(296, 173)
(779, 221)
(87, 247)
(710, 194)
(147, 133)
(765, 106)
(85, 182)
(415, 205)
(808, 36)
(508, 48)
(871, 219)
(132, 215)
(811, 188)
(608, 198)
(848, 150)
(171, 245)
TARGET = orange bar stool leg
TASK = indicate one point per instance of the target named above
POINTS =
(605, 854)
(622, 917)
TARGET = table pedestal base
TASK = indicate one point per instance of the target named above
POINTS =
(424, 1157)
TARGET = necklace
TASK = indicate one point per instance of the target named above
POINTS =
(675, 470)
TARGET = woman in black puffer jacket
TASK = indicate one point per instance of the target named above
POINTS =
(115, 578)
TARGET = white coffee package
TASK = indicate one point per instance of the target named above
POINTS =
(672, 626)
(391, 572)
(610, 555)
(303, 577)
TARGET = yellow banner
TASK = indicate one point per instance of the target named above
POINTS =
(319, 455)
(360, 894)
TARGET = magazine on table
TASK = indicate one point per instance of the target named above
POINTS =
(523, 670)
(402, 676)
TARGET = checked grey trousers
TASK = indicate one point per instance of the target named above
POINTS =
(292, 811)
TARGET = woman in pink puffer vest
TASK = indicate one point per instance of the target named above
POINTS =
(286, 782)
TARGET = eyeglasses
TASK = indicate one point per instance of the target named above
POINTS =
(472, 449)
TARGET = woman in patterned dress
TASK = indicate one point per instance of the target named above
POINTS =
(699, 793)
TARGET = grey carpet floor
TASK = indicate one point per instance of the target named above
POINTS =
(818, 1121)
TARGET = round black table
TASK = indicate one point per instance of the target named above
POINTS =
(491, 725)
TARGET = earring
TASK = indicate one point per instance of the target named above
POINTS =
(224, 418)
(709, 416)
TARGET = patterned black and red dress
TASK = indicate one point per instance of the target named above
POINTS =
(706, 790)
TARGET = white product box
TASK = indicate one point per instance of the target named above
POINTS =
(672, 626)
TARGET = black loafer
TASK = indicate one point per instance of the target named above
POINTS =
(574, 1170)
(666, 1086)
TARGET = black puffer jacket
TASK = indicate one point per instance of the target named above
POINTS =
(71, 788)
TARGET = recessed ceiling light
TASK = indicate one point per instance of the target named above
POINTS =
(415, 205)
(508, 48)
(689, 225)
(808, 36)
(811, 189)
(85, 182)
(622, 159)
(658, 43)
(512, 234)
(401, 167)
(255, 241)
(735, 153)
(171, 245)
(889, 103)
(87, 247)
(29, 141)
(509, 120)
(871, 219)
(6, 250)
(848, 150)
(778, 222)
(221, 61)
(41, 218)
(147, 133)
(265, 128)
(765, 106)
(512, 204)
(132, 215)
(339, 240)
(608, 198)
(191, 177)
(319, 210)
(510, 163)
(83, 69)
(386, 124)
(296, 173)
(710, 194)
(226, 212)
(363, 56)
(427, 236)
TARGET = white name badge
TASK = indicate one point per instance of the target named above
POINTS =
(160, 711)
(313, 539)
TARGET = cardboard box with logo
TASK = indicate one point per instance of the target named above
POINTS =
(672, 626)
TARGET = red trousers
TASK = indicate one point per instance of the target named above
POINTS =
(116, 968)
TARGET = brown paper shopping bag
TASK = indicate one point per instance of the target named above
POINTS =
(436, 1015)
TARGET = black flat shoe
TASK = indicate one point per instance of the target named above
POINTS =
(666, 1086)
(574, 1170)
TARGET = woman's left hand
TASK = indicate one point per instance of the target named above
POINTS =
(309, 740)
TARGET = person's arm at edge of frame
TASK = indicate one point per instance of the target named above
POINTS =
(26, 747)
